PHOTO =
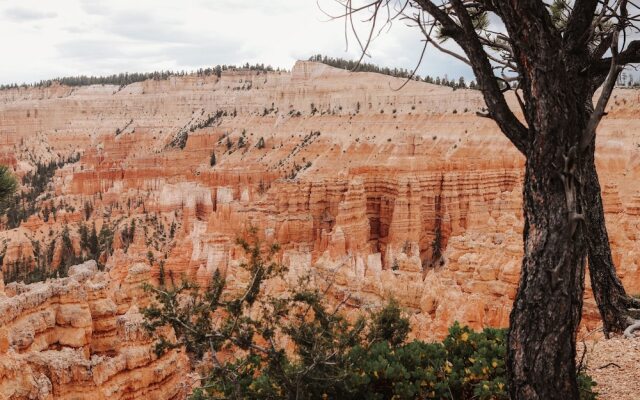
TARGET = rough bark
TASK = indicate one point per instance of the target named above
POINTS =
(614, 304)
(548, 305)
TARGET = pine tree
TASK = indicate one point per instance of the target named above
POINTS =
(94, 243)
(8, 186)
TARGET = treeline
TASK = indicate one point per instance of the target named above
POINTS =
(124, 79)
(395, 72)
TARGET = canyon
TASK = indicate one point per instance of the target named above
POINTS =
(372, 192)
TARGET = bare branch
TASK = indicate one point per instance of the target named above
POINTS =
(488, 82)
(435, 44)
(607, 89)
(413, 72)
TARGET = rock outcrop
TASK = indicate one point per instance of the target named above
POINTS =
(70, 339)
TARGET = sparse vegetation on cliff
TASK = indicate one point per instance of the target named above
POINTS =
(126, 78)
(352, 65)
(27, 202)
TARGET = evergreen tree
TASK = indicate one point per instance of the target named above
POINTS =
(8, 186)
(84, 237)
(94, 243)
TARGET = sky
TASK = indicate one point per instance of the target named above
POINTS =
(44, 39)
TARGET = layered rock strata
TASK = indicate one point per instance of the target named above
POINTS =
(82, 337)
(404, 194)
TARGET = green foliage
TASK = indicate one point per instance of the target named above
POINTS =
(38, 268)
(105, 239)
(586, 385)
(179, 140)
(127, 235)
(560, 10)
(88, 210)
(94, 245)
(68, 255)
(328, 356)
(27, 270)
(8, 185)
(27, 202)
(161, 273)
(388, 325)
(151, 258)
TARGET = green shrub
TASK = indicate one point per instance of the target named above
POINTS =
(329, 356)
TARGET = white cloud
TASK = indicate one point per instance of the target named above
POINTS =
(70, 37)
(25, 14)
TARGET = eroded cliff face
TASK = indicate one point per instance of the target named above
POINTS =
(82, 337)
(379, 193)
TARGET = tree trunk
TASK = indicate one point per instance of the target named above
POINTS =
(548, 305)
(613, 301)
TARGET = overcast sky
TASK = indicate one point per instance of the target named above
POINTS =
(43, 39)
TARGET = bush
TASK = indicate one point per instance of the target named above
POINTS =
(328, 357)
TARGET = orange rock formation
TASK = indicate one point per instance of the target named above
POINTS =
(82, 337)
(404, 194)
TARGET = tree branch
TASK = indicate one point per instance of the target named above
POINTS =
(579, 24)
(499, 110)
(607, 89)
(450, 28)
(630, 55)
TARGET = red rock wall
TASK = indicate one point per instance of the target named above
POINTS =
(405, 194)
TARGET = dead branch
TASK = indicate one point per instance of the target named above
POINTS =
(607, 89)
(611, 364)
(628, 333)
